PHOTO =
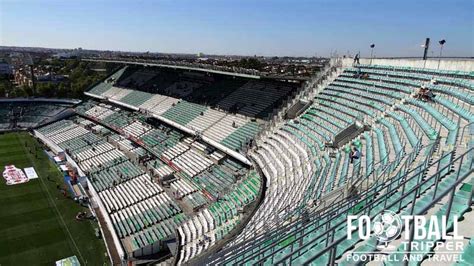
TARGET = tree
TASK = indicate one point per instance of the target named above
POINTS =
(5, 86)
(250, 63)
(80, 77)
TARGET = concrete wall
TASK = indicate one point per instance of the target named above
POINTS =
(445, 64)
(108, 222)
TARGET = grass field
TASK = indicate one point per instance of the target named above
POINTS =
(37, 224)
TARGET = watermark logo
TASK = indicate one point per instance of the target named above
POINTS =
(427, 234)
(387, 226)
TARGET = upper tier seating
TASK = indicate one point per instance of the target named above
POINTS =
(184, 112)
(133, 87)
(206, 119)
(195, 117)
(253, 98)
(104, 86)
(299, 242)
(403, 136)
(300, 169)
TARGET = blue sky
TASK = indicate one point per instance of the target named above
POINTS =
(247, 27)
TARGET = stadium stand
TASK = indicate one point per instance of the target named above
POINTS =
(253, 98)
(197, 103)
(157, 147)
(151, 179)
(17, 114)
(403, 136)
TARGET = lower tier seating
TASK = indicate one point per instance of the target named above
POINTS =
(123, 168)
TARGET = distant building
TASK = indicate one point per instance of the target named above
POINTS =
(49, 77)
(70, 54)
(5, 68)
(23, 77)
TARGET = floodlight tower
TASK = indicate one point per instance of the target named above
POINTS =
(426, 46)
(441, 44)
(425, 53)
(372, 46)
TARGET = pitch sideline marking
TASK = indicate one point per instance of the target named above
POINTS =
(54, 204)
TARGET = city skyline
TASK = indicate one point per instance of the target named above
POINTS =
(280, 28)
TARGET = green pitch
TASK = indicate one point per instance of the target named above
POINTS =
(37, 223)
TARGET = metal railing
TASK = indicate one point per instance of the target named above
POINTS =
(413, 192)
(281, 216)
(299, 229)
(334, 208)
(382, 172)
(469, 125)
